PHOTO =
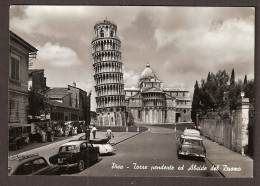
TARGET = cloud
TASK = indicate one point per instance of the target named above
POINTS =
(130, 78)
(85, 86)
(57, 56)
(182, 44)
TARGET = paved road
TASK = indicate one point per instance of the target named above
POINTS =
(153, 149)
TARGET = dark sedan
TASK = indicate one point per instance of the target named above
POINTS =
(76, 154)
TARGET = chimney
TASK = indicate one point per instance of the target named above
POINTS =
(74, 84)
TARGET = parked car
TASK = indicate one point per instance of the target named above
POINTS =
(32, 164)
(76, 154)
(18, 135)
(104, 146)
(190, 144)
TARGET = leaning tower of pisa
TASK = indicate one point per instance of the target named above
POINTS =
(108, 75)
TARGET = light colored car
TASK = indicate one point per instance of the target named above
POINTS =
(190, 144)
(104, 146)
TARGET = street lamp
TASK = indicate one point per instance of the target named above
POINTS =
(242, 94)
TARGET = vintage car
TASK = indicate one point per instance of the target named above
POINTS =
(31, 164)
(18, 135)
(104, 146)
(190, 144)
(76, 154)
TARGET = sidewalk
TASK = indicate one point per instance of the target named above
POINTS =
(220, 155)
(40, 147)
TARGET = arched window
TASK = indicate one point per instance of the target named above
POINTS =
(102, 33)
(112, 33)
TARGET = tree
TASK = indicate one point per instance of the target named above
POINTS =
(216, 94)
(212, 90)
(209, 77)
(249, 89)
(36, 103)
(234, 94)
(195, 102)
(232, 79)
(245, 79)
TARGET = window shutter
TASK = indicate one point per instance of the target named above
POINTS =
(17, 69)
(12, 68)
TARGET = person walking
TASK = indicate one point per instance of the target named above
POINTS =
(87, 133)
(94, 130)
(109, 134)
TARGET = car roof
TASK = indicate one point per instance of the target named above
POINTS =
(191, 137)
(191, 132)
(16, 160)
(76, 142)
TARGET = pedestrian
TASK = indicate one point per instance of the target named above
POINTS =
(109, 134)
(87, 133)
(94, 130)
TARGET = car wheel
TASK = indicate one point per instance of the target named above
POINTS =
(179, 156)
(81, 165)
(97, 157)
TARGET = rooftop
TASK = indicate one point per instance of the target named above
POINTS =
(21, 41)
(176, 89)
(57, 92)
(105, 22)
(58, 104)
(34, 70)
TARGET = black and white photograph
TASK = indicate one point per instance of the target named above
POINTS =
(131, 91)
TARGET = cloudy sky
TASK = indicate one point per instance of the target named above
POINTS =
(182, 44)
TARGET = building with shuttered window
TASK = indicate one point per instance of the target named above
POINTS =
(20, 55)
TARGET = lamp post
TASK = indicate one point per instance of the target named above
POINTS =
(242, 94)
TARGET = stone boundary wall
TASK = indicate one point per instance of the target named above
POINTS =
(226, 132)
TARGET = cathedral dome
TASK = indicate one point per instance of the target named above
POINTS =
(147, 73)
(133, 87)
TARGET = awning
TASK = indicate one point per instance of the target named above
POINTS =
(19, 125)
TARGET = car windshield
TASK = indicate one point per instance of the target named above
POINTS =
(69, 148)
(191, 142)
